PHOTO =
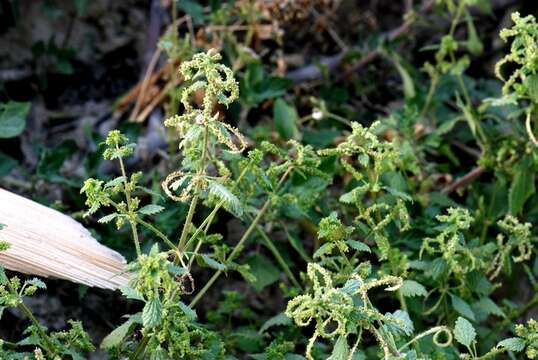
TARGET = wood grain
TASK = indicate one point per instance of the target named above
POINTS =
(47, 243)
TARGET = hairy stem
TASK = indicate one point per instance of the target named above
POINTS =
(271, 246)
(48, 345)
(128, 199)
(209, 219)
(140, 348)
(239, 246)
(236, 250)
(162, 236)
(26, 310)
(194, 201)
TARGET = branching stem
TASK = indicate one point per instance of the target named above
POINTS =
(239, 246)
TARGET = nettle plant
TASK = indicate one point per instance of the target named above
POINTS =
(72, 343)
(396, 270)
(212, 172)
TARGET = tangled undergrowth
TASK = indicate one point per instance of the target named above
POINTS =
(398, 268)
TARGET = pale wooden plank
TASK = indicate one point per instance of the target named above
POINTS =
(47, 243)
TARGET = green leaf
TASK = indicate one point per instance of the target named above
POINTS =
(176, 270)
(37, 283)
(514, 344)
(116, 181)
(256, 86)
(401, 322)
(400, 194)
(298, 246)
(74, 354)
(278, 320)
(131, 293)
(248, 340)
(244, 270)
(319, 138)
(351, 286)
(487, 306)
(7, 164)
(340, 350)
(436, 268)
(33, 339)
(151, 209)
(115, 338)
(158, 354)
(264, 270)
(359, 246)
(108, 218)
(474, 44)
(286, 119)
(522, 186)
(231, 202)
(154, 249)
(194, 9)
(212, 263)
(462, 307)
(64, 66)
(190, 313)
(13, 118)
(152, 313)
(324, 250)
(411, 288)
(464, 332)
(52, 160)
(3, 277)
(407, 80)
(532, 87)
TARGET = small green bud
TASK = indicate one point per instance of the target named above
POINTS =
(116, 138)
(4, 245)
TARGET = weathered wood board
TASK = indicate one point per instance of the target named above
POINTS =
(47, 243)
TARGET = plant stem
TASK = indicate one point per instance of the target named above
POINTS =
(429, 96)
(26, 310)
(403, 303)
(44, 336)
(528, 127)
(135, 238)
(199, 245)
(156, 232)
(387, 347)
(204, 224)
(340, 119)
(456, 20)
(271, 246)
(140, 348)
(208, 220)
(187, 224)
(162, 236)
(194, 201)
(433, 330)
(239, 246)
(130, 207)
(522, 311)
(357, 342)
